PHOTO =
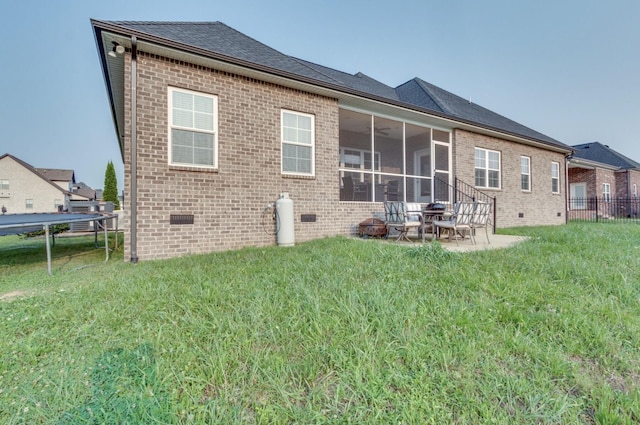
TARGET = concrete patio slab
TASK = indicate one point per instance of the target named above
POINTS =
(496, 242)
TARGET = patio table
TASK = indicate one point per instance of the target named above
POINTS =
(428, 217)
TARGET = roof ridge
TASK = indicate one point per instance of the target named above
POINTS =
(625, 158)
(171, 23)
(306, 63)
(427, 90)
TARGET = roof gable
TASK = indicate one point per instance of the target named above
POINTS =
(34, 171)
(597, 152)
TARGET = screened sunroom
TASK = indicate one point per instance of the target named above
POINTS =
(387, 159)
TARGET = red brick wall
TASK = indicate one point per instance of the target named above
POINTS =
(625, 181)
(594, 178)
(583, 175)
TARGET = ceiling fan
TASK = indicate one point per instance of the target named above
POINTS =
(381, 131)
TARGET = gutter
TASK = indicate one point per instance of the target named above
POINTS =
(581, 162)
(134, 151)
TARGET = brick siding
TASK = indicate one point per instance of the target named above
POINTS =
(539, 206)
(227, 204)
(621, 181)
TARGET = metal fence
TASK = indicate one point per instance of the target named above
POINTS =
(604, 209)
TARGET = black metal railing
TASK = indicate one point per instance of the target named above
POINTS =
(604, 209)
(462, 192)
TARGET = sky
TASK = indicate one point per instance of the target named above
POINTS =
(568, 69)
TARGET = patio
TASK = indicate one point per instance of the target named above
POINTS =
(497, 242)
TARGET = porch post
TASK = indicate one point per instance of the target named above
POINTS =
(46, 236)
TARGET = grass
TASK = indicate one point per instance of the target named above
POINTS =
(332, 331)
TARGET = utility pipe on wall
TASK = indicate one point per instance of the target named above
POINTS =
(134, 153)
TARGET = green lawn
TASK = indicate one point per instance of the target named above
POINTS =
(333, 331)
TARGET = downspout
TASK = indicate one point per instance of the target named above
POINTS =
(567, 158)
(134, 153)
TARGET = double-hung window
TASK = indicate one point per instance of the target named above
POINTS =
(525, 173)
(606, 192)
(555, 177)
(487, 168)
(28, 204)
(4, 184)
(193, 128)
(298, 143)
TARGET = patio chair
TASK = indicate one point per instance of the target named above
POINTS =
(397, 217)
(481, 218)
(459, 222)
(346, 193)
(393, 191)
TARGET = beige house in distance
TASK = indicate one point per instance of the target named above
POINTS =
(214, 125)
(25, 189)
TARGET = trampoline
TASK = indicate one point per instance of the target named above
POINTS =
(12, 224)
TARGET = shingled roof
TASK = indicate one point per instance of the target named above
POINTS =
(225, 43)
(37, 171)
(55, 174)
(597, 152)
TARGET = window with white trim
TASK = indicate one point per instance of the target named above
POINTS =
(555, 177)
(298, 143)
(525, 173)
(4, 184)
(358, 159)
(606, 192)
(193, 129)
(28, 204)
(487, 168)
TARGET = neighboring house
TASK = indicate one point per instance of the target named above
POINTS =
(598, 173)
(65, 179)
(25, 189)
(213, 126)
(82, 190)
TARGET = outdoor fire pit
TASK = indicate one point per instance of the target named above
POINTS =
(373, 227)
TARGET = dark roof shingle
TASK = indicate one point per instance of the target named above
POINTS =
(220, 39)
(597, 152)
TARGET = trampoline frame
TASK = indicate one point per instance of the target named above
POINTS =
(59, 218)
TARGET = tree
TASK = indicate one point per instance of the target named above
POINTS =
(110, 192)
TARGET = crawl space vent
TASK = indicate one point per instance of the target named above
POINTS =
(181, 219)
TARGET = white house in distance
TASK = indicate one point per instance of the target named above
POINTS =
(25, 189)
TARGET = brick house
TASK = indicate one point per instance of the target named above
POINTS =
(595, 171)
(221, 124)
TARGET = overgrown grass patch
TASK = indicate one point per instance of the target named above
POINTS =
(332, 331)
